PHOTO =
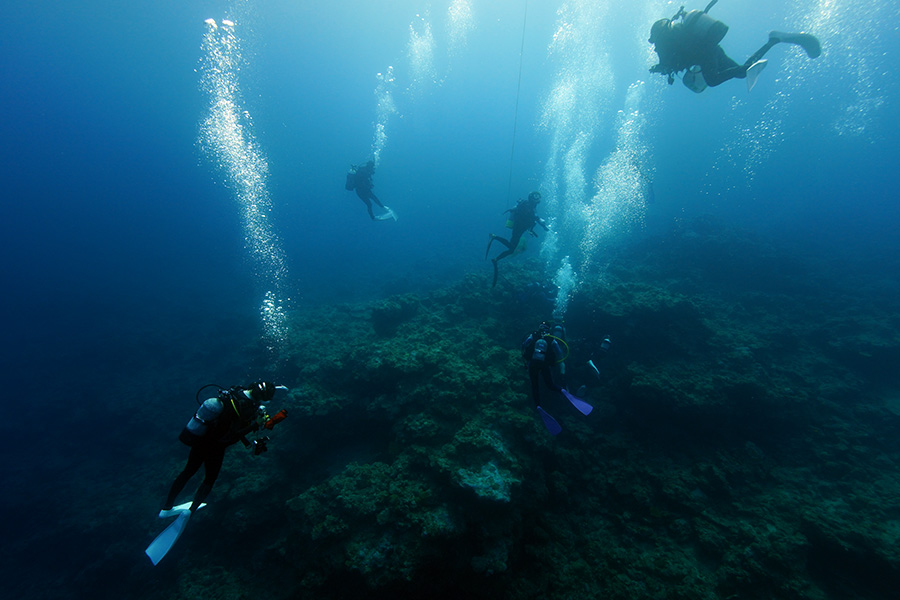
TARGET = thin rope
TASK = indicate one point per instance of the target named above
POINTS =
(512, 151)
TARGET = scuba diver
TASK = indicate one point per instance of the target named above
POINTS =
(541, 351)
(692, 45)
(521, 219)
(360, 179)
(603, 351)
(218, 423)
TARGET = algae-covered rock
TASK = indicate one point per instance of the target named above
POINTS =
(490, 482)
(389, 314)
(375, 518)
(740, 447)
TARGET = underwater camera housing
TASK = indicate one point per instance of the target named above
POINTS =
(260, 446)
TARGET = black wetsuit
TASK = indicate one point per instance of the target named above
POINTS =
(678, 49)
(524, 219)
(362, 183)
(538, 368)
(209, 450)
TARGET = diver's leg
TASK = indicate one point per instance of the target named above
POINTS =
(195, 459)
(503, 255)
(548, 379)
(761, 52)
(535, 387)
(718, 68)
(491, 238)
(511, 246)
(503, 241)
(807, 41)
(364, 196)
(377, 201)
(510, 250)
(515, 238)
(213, 463)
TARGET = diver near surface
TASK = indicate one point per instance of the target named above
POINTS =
(218, 423)
(541, 351)
(692, 45)
(360, 179)
(522, 218)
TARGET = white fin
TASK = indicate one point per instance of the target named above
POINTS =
(177, 510)
(753, 72)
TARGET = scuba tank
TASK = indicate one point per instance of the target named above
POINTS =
(197, 427)
(704, 28)
(540, 350)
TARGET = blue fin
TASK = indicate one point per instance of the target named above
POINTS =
(582, 406)
(549, 422)
(159, 547)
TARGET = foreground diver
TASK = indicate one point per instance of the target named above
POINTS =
(360, 179)
(217, 424)
(540, 352)
(522, 218)
(692, 44)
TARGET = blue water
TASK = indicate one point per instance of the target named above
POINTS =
(128, 261)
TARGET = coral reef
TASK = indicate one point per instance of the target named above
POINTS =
(694, 478)
(743, 443)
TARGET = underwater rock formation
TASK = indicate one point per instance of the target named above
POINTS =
(743, 444)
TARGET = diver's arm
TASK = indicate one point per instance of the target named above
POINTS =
(525, 347)
(242, 434)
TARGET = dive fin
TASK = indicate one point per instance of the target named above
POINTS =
(807, 41)
(159, 547)
(582, 406)
(594, 367)
(549, 422)
(496, 272)
(390, 214)
(177, 510)
(753, 72)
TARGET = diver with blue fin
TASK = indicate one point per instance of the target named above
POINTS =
(522, 218)
(218, 423)
(689, 42)
(542, 352)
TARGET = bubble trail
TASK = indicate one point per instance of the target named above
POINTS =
(227, 141)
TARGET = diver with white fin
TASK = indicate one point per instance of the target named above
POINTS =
(689, 42)
(359, 178)
(390, 214)
(218, 423)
